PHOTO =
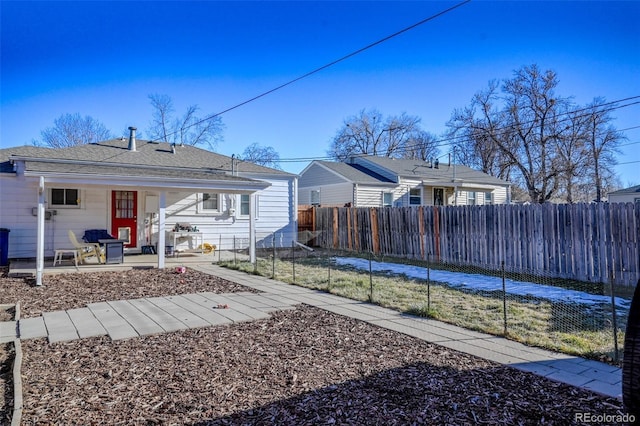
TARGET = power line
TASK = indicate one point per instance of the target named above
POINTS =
(330, 64)
(452, 140)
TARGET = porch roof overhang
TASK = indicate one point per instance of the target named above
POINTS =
(460, 184)
(154, 178)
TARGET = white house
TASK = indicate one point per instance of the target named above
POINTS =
(373, 181)
(627, 195)
(138, 191)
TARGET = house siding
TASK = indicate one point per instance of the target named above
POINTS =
(336, 194)
(276, 215)
(316, 175)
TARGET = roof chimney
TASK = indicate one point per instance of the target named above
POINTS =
(436, 164)
(132, 138)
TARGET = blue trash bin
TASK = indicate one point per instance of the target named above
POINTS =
(4, 246)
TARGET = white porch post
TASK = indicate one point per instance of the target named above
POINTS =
(252, 228)
(161, 225)
(40, 236)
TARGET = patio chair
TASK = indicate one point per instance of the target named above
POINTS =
(86, 250)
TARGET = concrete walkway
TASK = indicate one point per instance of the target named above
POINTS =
(133, 318)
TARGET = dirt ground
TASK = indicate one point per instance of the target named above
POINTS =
(301, 366)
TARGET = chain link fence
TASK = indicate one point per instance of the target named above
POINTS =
(586, 319)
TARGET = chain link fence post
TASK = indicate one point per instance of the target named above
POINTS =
(255, 259)
(428, 283)
(329, 271)
(370, 278)
(273, 259)
(219, 247)
(293, 260)
(614, 317)
(234, 251)
(504, 298)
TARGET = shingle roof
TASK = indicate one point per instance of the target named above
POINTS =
(422, 170)
(630, 190)
(355, 173)
(155, 154)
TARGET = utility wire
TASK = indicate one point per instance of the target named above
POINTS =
(452, 140)
(330, 64)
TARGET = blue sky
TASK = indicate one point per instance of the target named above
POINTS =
(103, 59)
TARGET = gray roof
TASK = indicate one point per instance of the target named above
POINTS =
(159, 155)
(630, 190)
(355, 173)
(418, 169)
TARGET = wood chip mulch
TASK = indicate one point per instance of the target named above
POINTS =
(77, 290)
(303, 366)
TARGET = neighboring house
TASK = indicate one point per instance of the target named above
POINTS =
(627, 195)
(372, 181)
(138, 190)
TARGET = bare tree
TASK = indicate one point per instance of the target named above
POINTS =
(73, 129)
(262, 155)
(474, 131)
(602, 141)
(523, 122)
(369, 133)
(190, 129)
(421, 145)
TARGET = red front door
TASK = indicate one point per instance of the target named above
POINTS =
(124, 213)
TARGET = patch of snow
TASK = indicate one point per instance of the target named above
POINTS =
(486, 283)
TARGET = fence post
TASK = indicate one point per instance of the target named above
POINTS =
(370, 279)
(293, 260)
(329, 271)
(273, 260)
(255, 245)
(504, 298)
(614, 317)
(428, 283)
(234, 250)
(219, 247)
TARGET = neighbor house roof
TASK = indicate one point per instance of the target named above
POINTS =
(418, 169)
(355, 172)
(630, 190)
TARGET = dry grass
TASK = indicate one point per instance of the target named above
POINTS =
(561, 327)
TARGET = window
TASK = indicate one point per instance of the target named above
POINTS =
(387, 199)
(245, 199)
(64, 197)
(415, 197)
(315, 197)
(471, 198)
(488, 197)
(438, 196)
(209, 203)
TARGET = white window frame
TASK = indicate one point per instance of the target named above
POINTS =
(390, 202)
(472, 198)
(77, 205)
(311, 197)
(414, 196)
(247, 204)
(201, 207)
(488, 197)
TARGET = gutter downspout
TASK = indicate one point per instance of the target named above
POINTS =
(40, 235)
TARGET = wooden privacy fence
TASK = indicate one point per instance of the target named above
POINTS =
(588, 242)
